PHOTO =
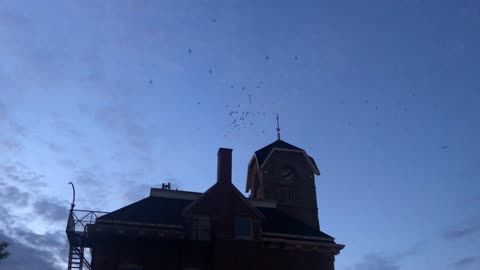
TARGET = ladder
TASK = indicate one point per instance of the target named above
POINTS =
(76, 259)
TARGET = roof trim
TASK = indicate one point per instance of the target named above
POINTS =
(336, 247)
(112, 221)
(263, 203)
(248, 185)
(251, 159)
(298, 236)
(174, 194)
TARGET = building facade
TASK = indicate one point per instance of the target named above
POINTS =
(276, 227)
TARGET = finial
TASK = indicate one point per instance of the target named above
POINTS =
(278, 128)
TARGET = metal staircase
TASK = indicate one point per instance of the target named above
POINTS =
(77, 234)
(76, 259)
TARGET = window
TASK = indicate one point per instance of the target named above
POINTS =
(243, 228)
(201, 228)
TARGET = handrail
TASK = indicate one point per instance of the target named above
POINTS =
(79, 219)
(95, 211)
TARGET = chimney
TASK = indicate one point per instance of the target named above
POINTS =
(224, 165)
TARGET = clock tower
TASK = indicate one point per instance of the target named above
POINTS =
(285, 173)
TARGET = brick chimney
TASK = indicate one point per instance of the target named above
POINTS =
(224, 165)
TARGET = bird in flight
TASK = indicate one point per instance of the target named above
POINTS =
(190, 50)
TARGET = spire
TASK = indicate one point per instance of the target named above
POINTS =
(278, 128)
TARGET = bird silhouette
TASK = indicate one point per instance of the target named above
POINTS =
(150, 81)
(210, 71)
(267, 57)
(190, 50)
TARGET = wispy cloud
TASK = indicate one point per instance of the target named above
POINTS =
(10, 144)
(466, 229)
(20, 173)
(128, 127)
(460, 232)
(51, 209)
(45, 252)
(91, 188)
(122, 120)
(383, 261)
(66, 129)
(19, 190)
(67, 163)
(12, 131)
(12, 196)
(377, 262)
(465, 262)
(9, 124)
(3, 112)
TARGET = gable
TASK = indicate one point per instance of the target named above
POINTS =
(222, 198)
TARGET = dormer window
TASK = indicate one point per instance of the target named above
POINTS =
(243, 228)
(201, 228)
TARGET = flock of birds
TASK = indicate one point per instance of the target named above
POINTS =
(244, 118)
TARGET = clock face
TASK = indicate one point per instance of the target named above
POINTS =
(287, 175)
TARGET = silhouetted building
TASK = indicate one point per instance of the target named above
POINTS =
(277, 227)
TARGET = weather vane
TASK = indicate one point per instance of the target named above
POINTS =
(278, 128)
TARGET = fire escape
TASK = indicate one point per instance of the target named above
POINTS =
(78, 236)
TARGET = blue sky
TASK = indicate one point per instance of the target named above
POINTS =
(120, 96)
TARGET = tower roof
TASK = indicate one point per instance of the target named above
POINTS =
(264, 153)
(261, 156)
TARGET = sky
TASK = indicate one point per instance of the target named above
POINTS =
(121, 96)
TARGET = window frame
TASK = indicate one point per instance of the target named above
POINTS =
(196, 228)
(243, 237)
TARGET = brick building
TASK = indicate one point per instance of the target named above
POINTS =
(277, 227)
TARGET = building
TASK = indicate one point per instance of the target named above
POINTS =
(277, 227)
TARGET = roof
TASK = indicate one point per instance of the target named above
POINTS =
(222, 187)
(263, 154)
(168, 211)
(278, 222)
(158, 210)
